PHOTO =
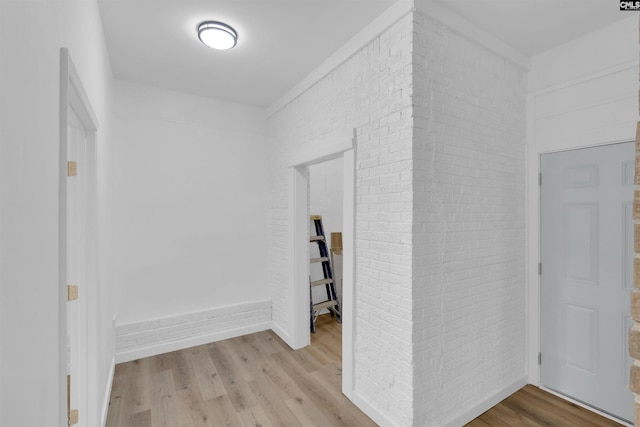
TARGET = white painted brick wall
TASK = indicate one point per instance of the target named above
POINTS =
(372, 93)
(469, 241)
(184, 330)
(440, 238)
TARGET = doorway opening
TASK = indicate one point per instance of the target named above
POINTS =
(325, 207)
(299, 246)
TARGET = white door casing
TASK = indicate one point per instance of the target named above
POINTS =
(337, 144)
(77, 248)
(587, 257)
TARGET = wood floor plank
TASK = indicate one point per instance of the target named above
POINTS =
(325, 399)
(237, 389)
(307, 413)
(120, 400)
(166, 409)
(533, 407)
(257, 346)
(332, 374)
(207, 378)
(545, 412)
(120, 379)
(568, 412)
(272, 342)
(281, 382)
(477, 423)
(306, 359)
(275, 408)
(161, 362)
(163, 387)
(318, 354)
(254, 417)
(327, 341)
(182, 369)
(115, 413)
(138, 393)
(247, 359)
(140, 419)
(222, 411)
(502, 416)
(168, 414)
(192, 407)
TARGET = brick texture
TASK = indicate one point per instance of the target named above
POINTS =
(634, 383)
(469, 223)
(439, 320)
(370, 92)
(149, 333)
(635, 304)
(634, 342)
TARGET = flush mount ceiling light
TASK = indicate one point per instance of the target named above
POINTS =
(217, 35)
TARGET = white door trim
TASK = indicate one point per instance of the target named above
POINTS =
(534, 236)
(341, 146)
(614, 134)
(74, 97)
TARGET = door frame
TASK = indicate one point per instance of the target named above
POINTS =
(73, 96)
(534, 236)
(339, 144)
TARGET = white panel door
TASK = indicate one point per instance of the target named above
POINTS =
(587, 257)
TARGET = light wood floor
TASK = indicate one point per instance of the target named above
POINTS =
(254, 380)
(533, 407)
(257, 380)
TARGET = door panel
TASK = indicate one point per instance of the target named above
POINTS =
(581, 242)
(587, 258)
(581, 325)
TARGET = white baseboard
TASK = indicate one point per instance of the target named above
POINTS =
(370, 410)
(154, 350)
(156, 336)
(107, 392)
(491, 401)
(281, 333)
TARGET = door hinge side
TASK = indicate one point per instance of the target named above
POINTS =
(72, 168)
(73, 417)
(539, 358)
(72, 292)
(540, 179)
(539, 269)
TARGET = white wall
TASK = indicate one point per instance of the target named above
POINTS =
(32, 390)
(469, 240)
(581, 94)
(189, 211)
(325, 194)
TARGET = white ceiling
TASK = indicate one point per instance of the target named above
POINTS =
(281, 41)
(534, 26)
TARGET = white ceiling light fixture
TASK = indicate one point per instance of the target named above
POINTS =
(217, 35)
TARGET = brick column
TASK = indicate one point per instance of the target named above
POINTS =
(634, 333)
